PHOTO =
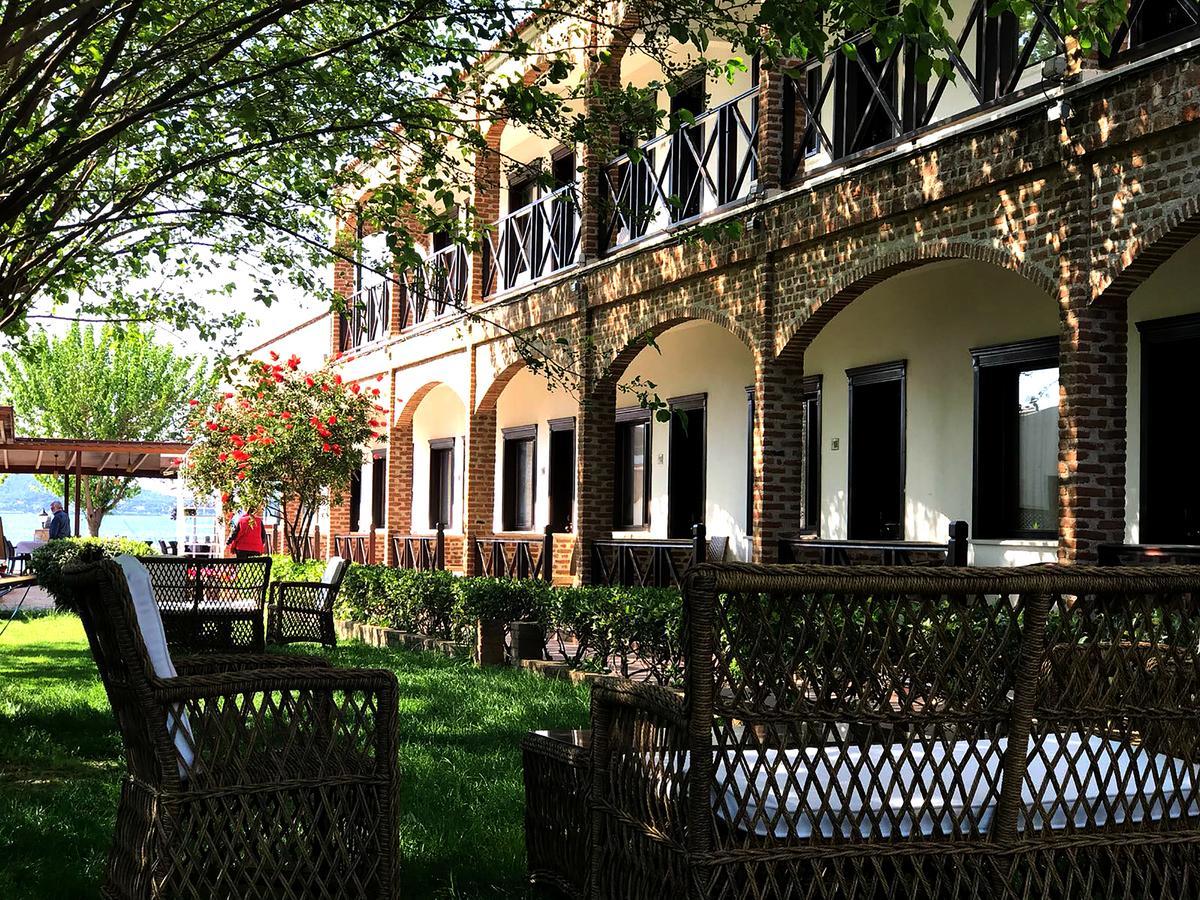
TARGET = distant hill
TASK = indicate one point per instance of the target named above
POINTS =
(23, 494)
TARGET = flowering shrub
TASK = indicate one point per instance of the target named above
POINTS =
(283, 435)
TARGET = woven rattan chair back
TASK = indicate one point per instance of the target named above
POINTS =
(872, 732)
(111, 625)
(211, 604)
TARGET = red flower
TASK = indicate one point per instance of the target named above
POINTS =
(212, 426)
(337, 448)
(375, 392)
(193, 402)
(274, 356)
(337, 379)
(288, 426)
(293, 362)
(332, 420)
(241, 475)
(355, 388)
(314, 422)
(308, 379)
(221, 457)
(325, 447)
(324, 386)
(229, 395)
(285, 415)
(379, 377)
(225, 497)
(241, 455)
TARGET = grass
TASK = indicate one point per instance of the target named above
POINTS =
(461, 803)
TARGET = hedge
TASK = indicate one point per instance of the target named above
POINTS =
(47, 561)
(613, 628)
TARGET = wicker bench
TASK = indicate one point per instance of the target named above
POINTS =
(876, 732)
(557, 773)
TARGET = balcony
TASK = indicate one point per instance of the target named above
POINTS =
(365, 320)
(838, 108)
(439, 285)
(679, 176)
(532, 242)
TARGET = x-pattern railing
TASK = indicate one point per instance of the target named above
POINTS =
(419, 551)
(637, 563)
(515, 557)
(710, 163)
(366, 317)
(356, 548)
(981, 62)
(533, 241)
(439, 285)
(1184, 15)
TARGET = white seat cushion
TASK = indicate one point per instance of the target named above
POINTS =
(331, 568)
(920, 789)
(149, 621)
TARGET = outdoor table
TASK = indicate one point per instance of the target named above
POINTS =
(10, 583)
(557, 768)
(25, 548)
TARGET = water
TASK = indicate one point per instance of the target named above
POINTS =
(20, 526)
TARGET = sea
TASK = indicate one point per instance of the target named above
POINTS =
(20, 526)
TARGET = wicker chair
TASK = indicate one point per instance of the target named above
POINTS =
(255, 777)
(877, 733)
(303, 610)
(211, 605)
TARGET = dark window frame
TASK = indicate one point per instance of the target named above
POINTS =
(520, 434)
(1152, 333)
(684, 404)
(379, 483)
(629, 417)
(441, 445)
(860, 376)
(812, 388)
(1042, 353)
(355, 499)
(557, 426)
(751, 413)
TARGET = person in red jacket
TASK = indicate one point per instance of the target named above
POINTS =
(249, 535)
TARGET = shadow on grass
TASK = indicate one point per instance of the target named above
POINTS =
(461, 791)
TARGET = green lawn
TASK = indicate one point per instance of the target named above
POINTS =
(461, 792)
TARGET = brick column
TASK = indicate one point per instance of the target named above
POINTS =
(770, 128)
(595, 155)
(479, 476)
(339, 521)
(399, 478)
(595, 450)
(1092, 426)
(778, 452)
(487, 203)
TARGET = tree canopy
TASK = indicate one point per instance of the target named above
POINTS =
(148, 145)
(108, 383)
(283, 438)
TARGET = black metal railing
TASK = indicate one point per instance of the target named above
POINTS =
(426, 552)
(881, 553)
(441, 284)
(533, 241)
(357, 548)
(366, 317)
(1153, 25)
(505, 557)
(636, 562)
(841, 106)
(1149, 554)
(678, 176)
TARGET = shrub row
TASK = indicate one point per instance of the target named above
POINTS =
(598, 628)
(47, 561)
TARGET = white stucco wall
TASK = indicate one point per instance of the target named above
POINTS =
(1170, 291)
(932, 317)
(526, 401)
(699, 357)
(440, 415)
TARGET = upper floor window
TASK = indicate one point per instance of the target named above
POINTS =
(1016, 440)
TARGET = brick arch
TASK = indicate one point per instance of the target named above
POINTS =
(404, 418)
(632, 341)
(492, 395)
(805, 325)
(1142, 256)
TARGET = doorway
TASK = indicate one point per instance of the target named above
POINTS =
(562, 474)
(877, 446)
(686, 465)
(1170, 508)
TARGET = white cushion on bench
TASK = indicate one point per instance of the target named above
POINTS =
(1111, 789)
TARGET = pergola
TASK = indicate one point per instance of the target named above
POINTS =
(68, 456)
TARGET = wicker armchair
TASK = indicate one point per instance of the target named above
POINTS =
(303, 610)
(871, 732)
(255, 777)
(211, 605)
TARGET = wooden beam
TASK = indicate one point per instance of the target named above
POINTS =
(104, 462)
(38, 464)
(78, 473)
(134, 466)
